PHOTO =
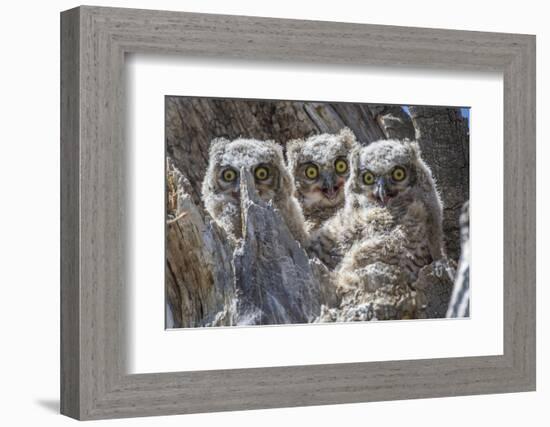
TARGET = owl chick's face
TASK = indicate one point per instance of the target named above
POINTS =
(320, 166)
(384, 172)
(264, 160)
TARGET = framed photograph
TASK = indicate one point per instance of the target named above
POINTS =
(261, 213)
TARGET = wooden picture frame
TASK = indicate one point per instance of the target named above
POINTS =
(94, 41)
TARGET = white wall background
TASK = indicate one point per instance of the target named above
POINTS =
(29, 214)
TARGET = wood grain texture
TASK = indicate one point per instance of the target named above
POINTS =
(95, 237)
(70, 259)
(449, 161)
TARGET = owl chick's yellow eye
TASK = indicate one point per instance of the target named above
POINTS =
(261, 173)
(368, 178)
(229, 175)
(399, 174)
(312, 172)
(341, 166)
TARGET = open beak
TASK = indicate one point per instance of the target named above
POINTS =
(329, 187)
(381, 191)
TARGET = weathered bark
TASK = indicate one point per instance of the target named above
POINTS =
(443, 136)
(199, 272)
(275, 280)
(267, 279)
(433, 289)
(460, 299)
(389, 295)
(394, 121)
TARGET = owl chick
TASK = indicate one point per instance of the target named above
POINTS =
(391, 197)
(391, 174)
(389, 229)
(320, 167)
(264, 160)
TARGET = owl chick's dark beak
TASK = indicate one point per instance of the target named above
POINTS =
(329, 186)
(381, 190)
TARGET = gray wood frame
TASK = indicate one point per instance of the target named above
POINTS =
(94, 41)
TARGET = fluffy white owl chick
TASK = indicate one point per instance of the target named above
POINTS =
(320, 167)
(264, 160)
(389, 183)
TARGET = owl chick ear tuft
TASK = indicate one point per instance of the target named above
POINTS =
(292, 148)
(354, 162)
(414, 147)
(217, 145)
(348, 138)
(275, 147)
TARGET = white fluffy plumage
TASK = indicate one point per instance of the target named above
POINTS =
(391, 197)
(389, 229)
(320, 167)
(221, 184)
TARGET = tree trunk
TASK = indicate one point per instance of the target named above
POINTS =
(199, 272)
(394, 121)
(275, 280)
(443, 136)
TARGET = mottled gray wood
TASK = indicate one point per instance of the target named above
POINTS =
(395, 123)
(95, 383)
(434, 287)
(275, 281)
(197, 296)
(443, 136)
(70, 221)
